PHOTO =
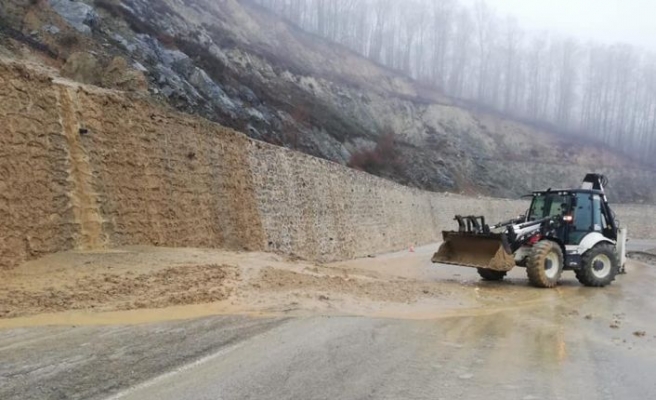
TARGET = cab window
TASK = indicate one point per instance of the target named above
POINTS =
(597, 223)
(583, 221)
(548, 205)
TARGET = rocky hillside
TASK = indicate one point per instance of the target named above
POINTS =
(235, 63)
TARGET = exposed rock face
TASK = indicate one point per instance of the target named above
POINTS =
(79, 15)
(119, 75)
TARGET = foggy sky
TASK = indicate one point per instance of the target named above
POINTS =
(605, 21)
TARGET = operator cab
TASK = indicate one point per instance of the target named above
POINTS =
(580, 211)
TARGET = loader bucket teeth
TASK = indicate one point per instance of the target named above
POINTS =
(477, 250)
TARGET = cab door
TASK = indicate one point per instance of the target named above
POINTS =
(584, 218)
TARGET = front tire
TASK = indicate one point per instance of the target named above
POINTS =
(491, 275)
(599, 266)
(545, 264)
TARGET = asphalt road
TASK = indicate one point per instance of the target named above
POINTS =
(641, 245)
(568, 343)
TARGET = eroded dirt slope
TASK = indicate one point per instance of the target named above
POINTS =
(237, 64)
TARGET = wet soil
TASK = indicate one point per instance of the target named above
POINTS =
(147, 284)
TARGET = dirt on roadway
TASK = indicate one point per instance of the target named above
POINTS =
(147, 284)
(83, 285)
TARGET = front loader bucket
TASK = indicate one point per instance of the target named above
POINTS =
(477, 250)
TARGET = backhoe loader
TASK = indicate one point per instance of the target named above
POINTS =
(569, 229)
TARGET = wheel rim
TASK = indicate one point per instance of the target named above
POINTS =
(551, 265)
(601, 266)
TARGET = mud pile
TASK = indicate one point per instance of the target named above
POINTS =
(184, 285)
(396, 290)
(138, 284)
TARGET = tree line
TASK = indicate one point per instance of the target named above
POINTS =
(605, 92)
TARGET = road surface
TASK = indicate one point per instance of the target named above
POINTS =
(568, 343)
(648, 246)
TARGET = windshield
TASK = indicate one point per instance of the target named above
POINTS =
(548, 205)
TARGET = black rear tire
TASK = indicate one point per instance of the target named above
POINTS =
(545, 264)
(599, 266)
(491, 275)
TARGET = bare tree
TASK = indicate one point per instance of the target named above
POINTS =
(566, 81)
(485, 22)
(512, 42)
(607, 93)
(443, 16)
(461, 59)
